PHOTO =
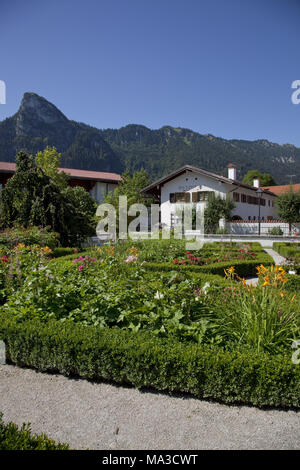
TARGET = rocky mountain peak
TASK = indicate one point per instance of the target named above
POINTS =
(34, 111)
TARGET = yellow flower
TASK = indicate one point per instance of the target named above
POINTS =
(263, 268)
(267, 281)
(20, 246)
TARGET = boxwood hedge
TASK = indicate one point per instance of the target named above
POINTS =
(144, 360)
(242, 267)
(14, 438)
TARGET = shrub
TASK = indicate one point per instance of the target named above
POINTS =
(275, 231)
(14, 438)
(9, 238)
(144, 360)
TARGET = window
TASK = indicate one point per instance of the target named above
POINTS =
(236, 197)
(243, 198)
(269, 202)
(200, 196)
(180, 197)
(263, 202)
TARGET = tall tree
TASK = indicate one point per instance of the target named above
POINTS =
(131, 187)
(265, 179)
(216, 209)
(49, 161)
(32, 198)
(288, 207)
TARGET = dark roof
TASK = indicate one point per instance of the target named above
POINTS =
(7, 167)
(153, 187)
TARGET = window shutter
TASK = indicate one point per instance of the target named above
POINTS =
(195, 197)
(187, 197)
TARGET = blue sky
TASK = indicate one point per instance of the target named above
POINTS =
(223, 67)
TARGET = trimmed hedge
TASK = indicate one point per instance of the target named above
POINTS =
(242, 267)
(144, 360)
(14, 438)
(60, 251)
(293, 285)
(69, 256)
(288, 250)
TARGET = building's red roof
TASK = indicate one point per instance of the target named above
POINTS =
(282, 189)
(7, 167)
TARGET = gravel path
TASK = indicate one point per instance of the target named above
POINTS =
(278, 259)
(104, 416)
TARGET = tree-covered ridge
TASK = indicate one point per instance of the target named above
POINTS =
(164, 150)
(39, 123)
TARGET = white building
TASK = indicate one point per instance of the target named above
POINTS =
(190, 184)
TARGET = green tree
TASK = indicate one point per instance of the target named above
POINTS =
(32, 198)
(130, 187)
(288, 207)
(265, 179)
(49, 161)
(217, 208)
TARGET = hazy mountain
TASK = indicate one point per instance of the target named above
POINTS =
(39, 123)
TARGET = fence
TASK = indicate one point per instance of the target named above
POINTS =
(247, 227)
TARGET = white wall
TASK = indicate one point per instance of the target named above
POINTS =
(187, 182)
(190, 182)
(244, 210)
(244, 227)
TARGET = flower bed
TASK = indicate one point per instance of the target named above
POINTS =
(113, 296)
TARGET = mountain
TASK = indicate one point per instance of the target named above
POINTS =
(39, 123)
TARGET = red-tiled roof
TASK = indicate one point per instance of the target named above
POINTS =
(8, 167)
(94, 175)
(282, 189)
